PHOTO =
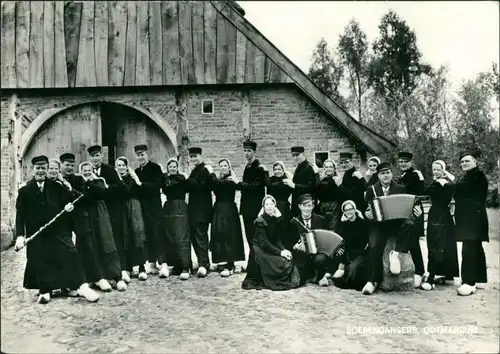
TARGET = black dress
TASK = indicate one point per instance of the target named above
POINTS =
(355, 235)
(271, 270)
(94, 235)
(175, 212)
(281, 192)
(226, 238)
(133, 229)
(441, 244)
(330, 198)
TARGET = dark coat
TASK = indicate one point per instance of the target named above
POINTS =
(317, 222)
(373, 179)
(356, 187)
(412, 181)
(151, 178)
(305, 180)
(33, 211)
(394, 188)
(268, 234)
(471, 219)
(301, 259)
(52, 260)
(200, 195)
(281, 192)
(355, 235)
(253, 189)
(414, 184)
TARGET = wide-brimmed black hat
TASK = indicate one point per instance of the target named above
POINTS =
(195, 150)
(94, 149)
(39, 160)
(297, 149)
(383, 166)
(140, 148)
(250, 145)
(67, 157)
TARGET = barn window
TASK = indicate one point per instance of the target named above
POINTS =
(207, 106)
(320, 157)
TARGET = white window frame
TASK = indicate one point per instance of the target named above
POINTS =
(213, 106)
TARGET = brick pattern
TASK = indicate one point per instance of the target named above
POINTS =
(280, 117)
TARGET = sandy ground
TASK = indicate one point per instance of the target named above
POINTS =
(214, 315)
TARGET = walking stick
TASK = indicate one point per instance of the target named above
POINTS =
(46, 225)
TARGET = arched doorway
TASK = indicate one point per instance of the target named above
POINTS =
(117, 127)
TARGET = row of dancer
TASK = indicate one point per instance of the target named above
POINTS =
(134, 211)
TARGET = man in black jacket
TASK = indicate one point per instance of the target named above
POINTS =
(150, 178)
(380, 231)
(304, 178)
(253, 189)
(353, 180)
(52, 260)
(200, 208)
(310, 266)
(414, 184)
(110, 175)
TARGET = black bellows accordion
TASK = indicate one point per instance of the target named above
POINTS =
(321, 241)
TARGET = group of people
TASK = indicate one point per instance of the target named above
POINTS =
(122, 230)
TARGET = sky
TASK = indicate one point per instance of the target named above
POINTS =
(462, 35)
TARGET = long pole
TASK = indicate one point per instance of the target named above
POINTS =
(29, 239)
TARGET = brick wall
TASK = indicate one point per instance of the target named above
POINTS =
(280, 117)
(5, 174)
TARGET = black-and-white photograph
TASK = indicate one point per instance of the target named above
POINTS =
(250, 177)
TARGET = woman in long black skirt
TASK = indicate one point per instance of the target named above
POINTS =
(94, 236)
(330, 194)
(133, 252)
(175, 211)
(273, 267)
(280, 191)
(226, 239)
(441, 244)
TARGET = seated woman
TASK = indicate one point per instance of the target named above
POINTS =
(354, 230)
(273, 268)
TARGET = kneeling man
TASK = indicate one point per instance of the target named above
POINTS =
(311, 266)
(404, 230)
(52, 260)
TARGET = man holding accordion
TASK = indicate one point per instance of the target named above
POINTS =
(382, 227)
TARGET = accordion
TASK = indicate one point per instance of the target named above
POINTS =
(321, 241)
(393, 207)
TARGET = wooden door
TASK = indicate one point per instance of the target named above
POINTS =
(133, 128)
(72, 130)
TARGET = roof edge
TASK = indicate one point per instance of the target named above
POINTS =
(375, 143)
